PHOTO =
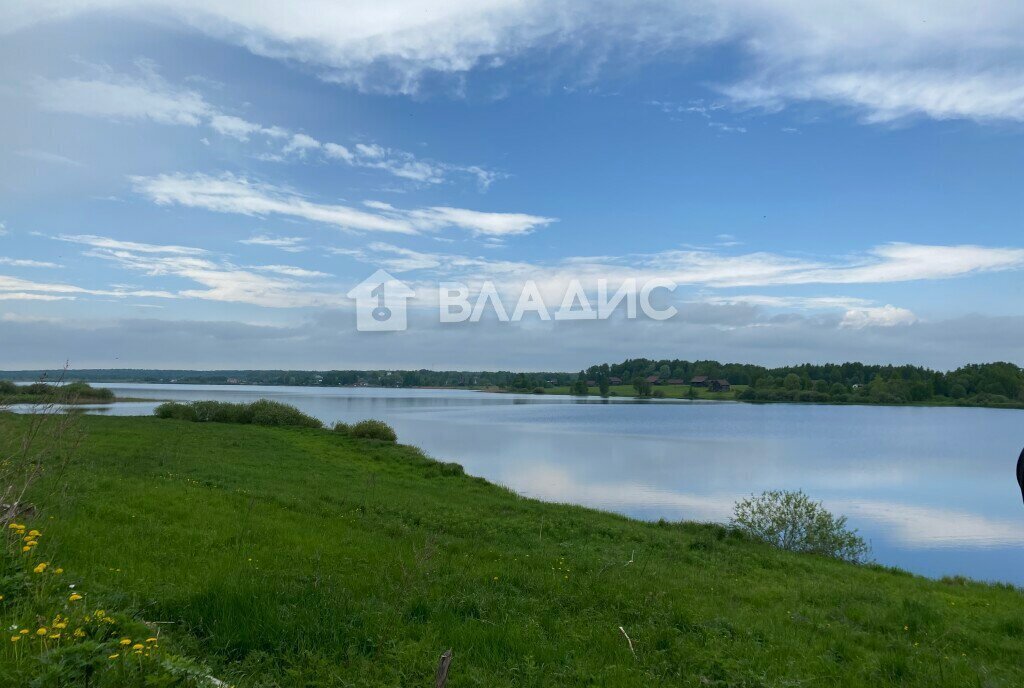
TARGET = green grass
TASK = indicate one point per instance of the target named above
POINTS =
(669, 391)
(302, 557)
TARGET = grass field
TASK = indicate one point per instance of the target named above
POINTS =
(669, 391)
(298, 557)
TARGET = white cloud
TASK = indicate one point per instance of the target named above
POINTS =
(17, 288)
(235, 127)
(290, 271)
(492, 224)
(122, 97)
(117, 245)
(338, 152)
(25, 296)
(3, 229)
(148, 96)
(287, 244)
(218, 280)
(24, 263)
(52, 158)
(230, 194)
(882, 316)
(919, 57)
(300, 143)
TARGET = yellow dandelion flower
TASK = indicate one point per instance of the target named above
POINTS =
(138, 646)
(31, 543)
(41, 567)
(62, 625)
(25, 548)
(79, 633)
(15, 638)
(24, 631)
(54, 635)
(150, 640)
(114, 656)
(74, 597)
(42, 631)
(126, 641)
(58, 570)
(34, 533)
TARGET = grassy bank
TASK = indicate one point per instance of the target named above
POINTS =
(305, 557)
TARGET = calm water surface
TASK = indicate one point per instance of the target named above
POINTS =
(933, 489)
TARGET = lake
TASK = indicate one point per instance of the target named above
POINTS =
(932, 489)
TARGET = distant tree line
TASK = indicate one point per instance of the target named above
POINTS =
(988, 384)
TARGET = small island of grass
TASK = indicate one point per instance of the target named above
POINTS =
(46, 393)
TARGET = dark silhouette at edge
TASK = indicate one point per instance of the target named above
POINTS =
(1020, 473)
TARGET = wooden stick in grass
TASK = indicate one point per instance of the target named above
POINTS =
(441, 678)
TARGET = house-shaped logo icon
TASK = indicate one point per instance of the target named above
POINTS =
(380, 303)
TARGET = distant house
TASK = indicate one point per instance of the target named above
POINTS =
(719, 385)
(676, 382)
(654, 379)
(700, 381)
(591, 383)
(615, 380)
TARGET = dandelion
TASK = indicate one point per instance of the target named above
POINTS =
(25, 548)
(150, 640)
(15, 526)
(126, 641)
(114, 656)
(79, 633)
(34, 533)
(54, 635)
(74, 597)
(61, 625)
(15, 638)
(41, 567)
(138, 647)
(23, 631)
(42, 631)
(58, 571)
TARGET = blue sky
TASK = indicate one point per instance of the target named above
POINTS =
(200, 184)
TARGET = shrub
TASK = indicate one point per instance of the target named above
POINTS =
(266, 412)
(373, 430)
(261, 412)
(341, 428)
(173, 410)
(793, 521)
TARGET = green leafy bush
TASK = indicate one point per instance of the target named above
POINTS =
(793, 521)
(261, 412)
(173, 410)
(373, 430)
